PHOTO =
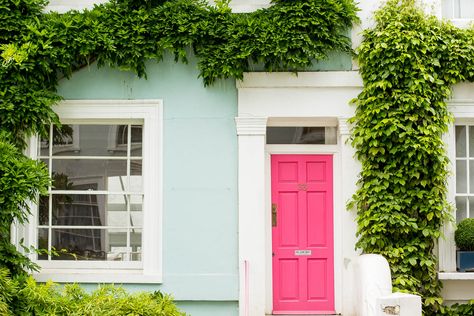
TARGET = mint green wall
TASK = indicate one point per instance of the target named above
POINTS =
(336, 61)
(210, 308)
(200, 250)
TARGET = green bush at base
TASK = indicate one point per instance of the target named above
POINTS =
(23, 296)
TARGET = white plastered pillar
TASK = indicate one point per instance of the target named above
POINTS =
(251, 175)
(350, 168)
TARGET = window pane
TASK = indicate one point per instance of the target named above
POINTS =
(118, 250)
(471, 176)
(136, 210)
(43, 242)
(76, 210)
(117, 210)
(301, 135)
(471, 207)
(46, 162)
(43, 210)
(136, 179)
(461, 176)
(96, 210)
(79, 244)
(471, 141)
(137, 137)
(100, 174)
(136, 244)
(43, 146)
(90, 140)
(63, 136)
(461, 208)
(460, 141)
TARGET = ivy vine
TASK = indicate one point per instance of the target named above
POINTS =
(38, 49)
(408, 63)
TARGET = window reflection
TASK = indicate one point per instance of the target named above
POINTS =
(301, 135)
(100, 216)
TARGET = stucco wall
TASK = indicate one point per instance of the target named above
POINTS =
(200, 167)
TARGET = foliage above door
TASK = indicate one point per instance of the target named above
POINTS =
(38, 49)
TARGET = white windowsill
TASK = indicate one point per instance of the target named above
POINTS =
(456, 275)
(96, 276)
(462, 23)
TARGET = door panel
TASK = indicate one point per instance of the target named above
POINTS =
(316, 210)
(302, 234)
(288, 219)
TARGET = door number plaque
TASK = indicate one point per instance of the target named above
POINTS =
(302, 187)
(302, 252)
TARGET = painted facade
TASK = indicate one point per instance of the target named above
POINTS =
(216, 181)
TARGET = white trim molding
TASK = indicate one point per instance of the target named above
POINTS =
(62, 6)
(251, 125)
(462, 108)
(301, 80)
(344, 126)
(284, 99)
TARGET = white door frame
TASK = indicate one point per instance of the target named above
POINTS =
(333, 150)
(320, 98)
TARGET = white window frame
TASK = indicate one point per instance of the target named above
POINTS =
(459, 22)
(463, 111)
(238, 6)
(149, 270)
(63, 6)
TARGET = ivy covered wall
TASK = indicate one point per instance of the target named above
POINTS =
(409, 61)
(39, 49)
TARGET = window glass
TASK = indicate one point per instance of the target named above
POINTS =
(464, 135)
(461, 208)
(94, 210)
(301, 135)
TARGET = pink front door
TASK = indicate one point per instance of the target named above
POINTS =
(302, 234)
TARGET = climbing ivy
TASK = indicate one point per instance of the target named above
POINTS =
(21, 180)
(38, 49)
(408, 63)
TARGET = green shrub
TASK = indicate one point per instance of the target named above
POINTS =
(8, 288)
(464, 235)
(26, 297)
(21, 181)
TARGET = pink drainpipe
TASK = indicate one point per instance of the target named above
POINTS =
(246, 304)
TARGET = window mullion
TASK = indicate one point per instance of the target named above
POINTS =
(468, 176)
(127, 200)
(50, 197)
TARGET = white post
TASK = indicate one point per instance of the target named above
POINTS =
(251, 138)
(350, 169)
